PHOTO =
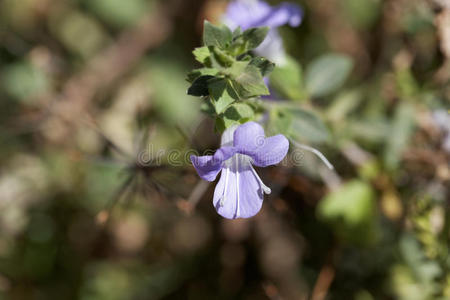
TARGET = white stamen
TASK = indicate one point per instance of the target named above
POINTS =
(222, 199)
(237, 186)
(316, 152)
(264, 187)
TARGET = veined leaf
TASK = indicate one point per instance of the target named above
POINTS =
(327, 73)
(288, 80)
(194, 74)
(264, 65)
(200, 86)
(218, 36)
(307, 126)
(250, 83)
(201, 54)
(222, 95)
(255, 36)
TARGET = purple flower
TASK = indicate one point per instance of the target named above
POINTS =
(442, 120)
(240, 192)
(256, 13)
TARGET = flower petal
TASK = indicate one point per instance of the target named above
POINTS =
(249, 139)
(285, 13)
(249, 14)
(246, 14)
(271, 152)
(249, 136)
(207, 167)
(238, 193)
(272, 48)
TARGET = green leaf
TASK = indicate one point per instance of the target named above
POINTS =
(201, 72)
(288, 80)
(280, 122)
(208, 108)
(200, 86)
(264, 65)
(250, 83)
(222, 95)
(22, 81)
(220, 58)
(327, 74)
(255, 36)
(250, 39)
(307, 126)
(237, 32)
(118, 13)
(236, 69)
(362, 13)
(351, 211)
(344, 103)
(237, 113)
(218, 36)
(201, 54)
(399, 135)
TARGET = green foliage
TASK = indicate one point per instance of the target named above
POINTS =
(300, 124)
(217, 36)
(362, 13)
(71, 26)
(117, 12)
(22, 81)
(398, 137)
(249, 83)
(351, 212)
(95, 205)
(288, 80)
(230, 73)
(222, 94)
(327, 73)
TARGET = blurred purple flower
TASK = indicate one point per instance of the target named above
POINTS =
(240, 192)
(256, 13)
(442, 120)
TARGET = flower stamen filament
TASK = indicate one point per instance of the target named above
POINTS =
(264, 187)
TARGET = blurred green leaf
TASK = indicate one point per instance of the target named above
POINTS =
(399, 134)
(118, 12)
(71, 27)
(344, 104)
(327, 73)
(288, 81)
(362, 13)
(22, 80)
(169, 85)
(279, 122)
(307, 126)
(351, 211)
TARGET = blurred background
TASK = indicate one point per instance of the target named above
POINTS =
(91, 88)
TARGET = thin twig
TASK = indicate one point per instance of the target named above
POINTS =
(323, 283)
